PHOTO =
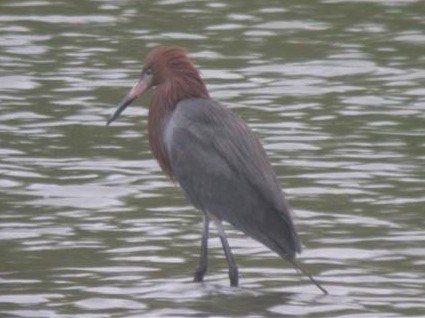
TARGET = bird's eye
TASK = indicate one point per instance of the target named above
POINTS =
(148, 72)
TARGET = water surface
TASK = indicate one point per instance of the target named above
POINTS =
(90, 227)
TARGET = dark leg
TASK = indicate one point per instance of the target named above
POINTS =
(202, 266)
(233, 269)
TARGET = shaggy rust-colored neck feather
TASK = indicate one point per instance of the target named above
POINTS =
(175, 78)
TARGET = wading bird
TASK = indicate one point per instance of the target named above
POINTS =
(214, 157)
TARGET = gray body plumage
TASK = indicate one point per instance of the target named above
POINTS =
(224, 171)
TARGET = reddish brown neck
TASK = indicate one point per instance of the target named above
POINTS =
(163, 102)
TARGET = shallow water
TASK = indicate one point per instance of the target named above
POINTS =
(90, 227)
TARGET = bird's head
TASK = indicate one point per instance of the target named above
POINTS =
(170, 68)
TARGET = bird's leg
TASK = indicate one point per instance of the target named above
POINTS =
(233, 269)
(202, 266)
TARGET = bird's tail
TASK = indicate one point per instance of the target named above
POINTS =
(310, 277)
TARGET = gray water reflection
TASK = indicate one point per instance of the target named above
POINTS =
(91, 228)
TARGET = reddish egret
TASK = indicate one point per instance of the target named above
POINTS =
(214, 157)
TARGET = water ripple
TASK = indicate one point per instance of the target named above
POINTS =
(88, 216)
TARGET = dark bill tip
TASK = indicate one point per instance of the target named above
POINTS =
(123, 105)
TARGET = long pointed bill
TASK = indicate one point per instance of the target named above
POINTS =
(137, 90)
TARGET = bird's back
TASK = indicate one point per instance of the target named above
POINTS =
(224, 171)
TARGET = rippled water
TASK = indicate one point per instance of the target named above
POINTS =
(89, 226)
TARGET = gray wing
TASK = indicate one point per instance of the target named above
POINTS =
(224, 170)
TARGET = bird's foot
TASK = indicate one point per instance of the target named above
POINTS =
(199, 274)
(234, 277)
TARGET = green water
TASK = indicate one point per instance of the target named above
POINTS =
(90, 227)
